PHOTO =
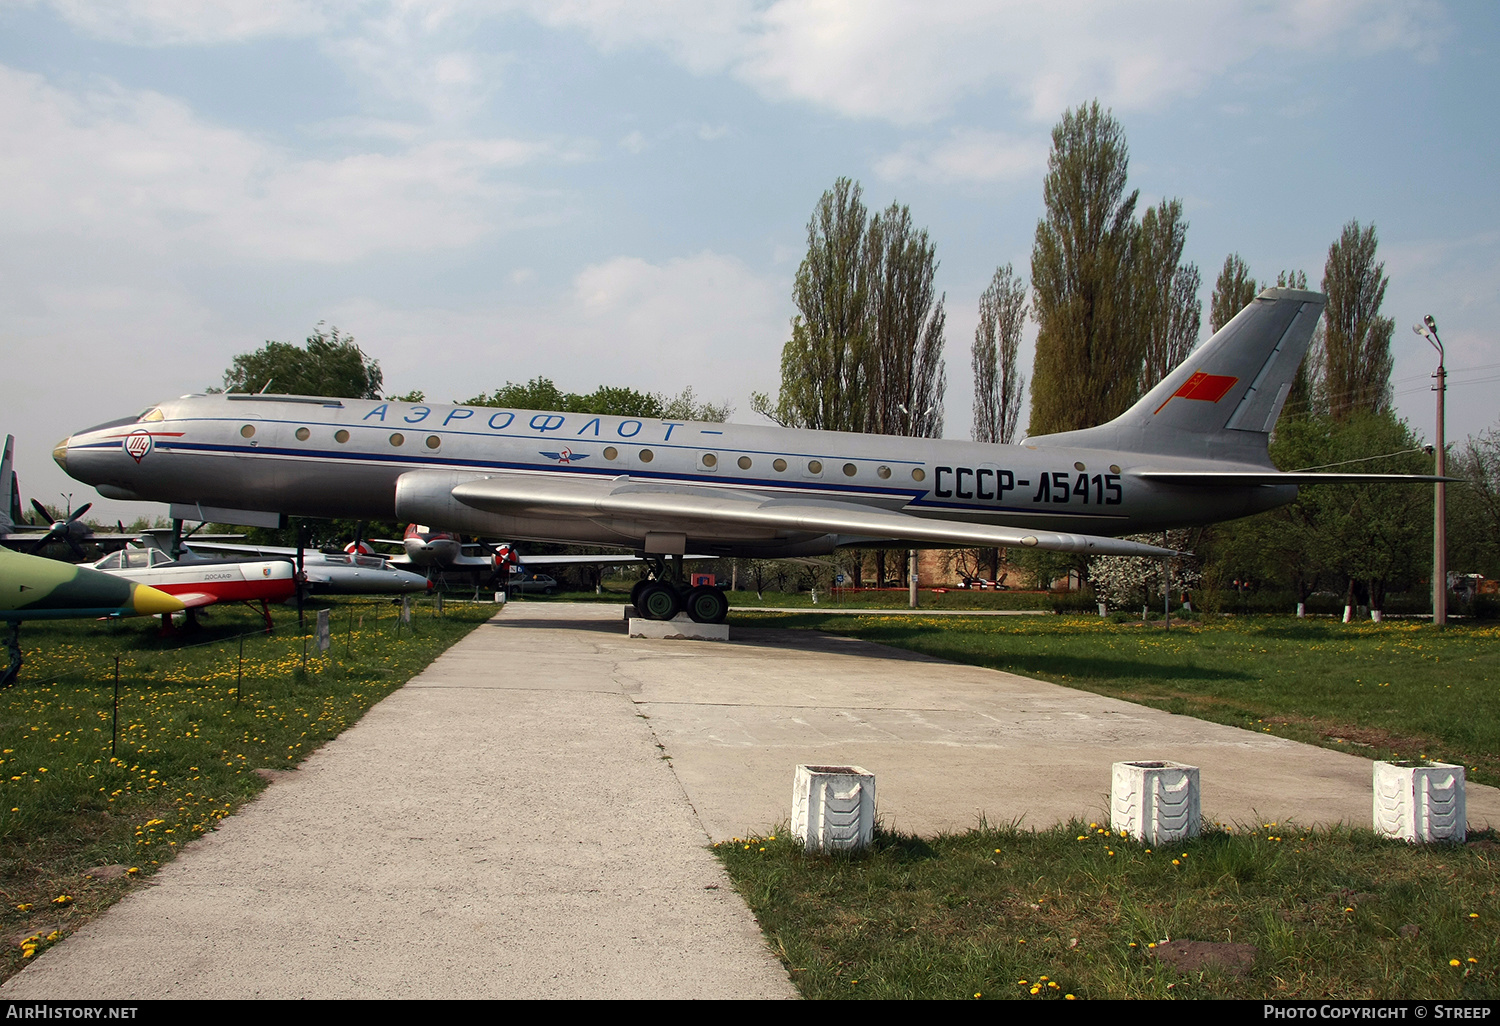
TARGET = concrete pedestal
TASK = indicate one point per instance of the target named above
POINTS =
(682, 627)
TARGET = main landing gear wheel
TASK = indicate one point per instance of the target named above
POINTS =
(659, 601)
(707, 605)
(635, 592)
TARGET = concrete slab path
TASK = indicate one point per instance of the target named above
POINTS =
(528, 818)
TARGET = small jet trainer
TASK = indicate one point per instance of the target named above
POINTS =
(199, 583)
(34, 588)
(1192, 451)
(351, 572)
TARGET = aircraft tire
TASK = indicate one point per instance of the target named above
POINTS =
(635, 592)
(707, 605)
(659, 601)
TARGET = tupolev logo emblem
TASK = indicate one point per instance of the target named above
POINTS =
(138, 444)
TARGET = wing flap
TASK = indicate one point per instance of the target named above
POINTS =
(685, 507)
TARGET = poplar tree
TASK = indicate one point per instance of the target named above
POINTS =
(997, 385)
(1168, 311)
(1232, 293)
(905, 376)
(1088, 358)
(824, 364)
(866, 352)
(1357, 358)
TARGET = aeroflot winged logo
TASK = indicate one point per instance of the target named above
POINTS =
(1208, 387)
(566, 456)
(138, 444)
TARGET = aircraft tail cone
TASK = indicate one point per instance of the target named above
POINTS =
(60, 453)
(147, 601)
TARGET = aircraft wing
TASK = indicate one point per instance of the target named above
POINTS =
(273, 551)
(1276, 477)
(195, 599)
(618, 558)
(698, 511)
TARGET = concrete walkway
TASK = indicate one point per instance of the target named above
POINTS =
(502, 827)
(529, 817)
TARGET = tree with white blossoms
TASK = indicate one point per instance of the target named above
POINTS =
(1125, 581)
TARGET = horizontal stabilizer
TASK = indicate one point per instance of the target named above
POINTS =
(1270, 477)
(698, 512)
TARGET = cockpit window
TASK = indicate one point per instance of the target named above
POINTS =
(151, 416)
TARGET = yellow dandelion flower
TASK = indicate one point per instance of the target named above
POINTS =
(1454, 961)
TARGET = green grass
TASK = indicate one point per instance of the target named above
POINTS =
(1330, 914)
(189, 740)
(1389, 690)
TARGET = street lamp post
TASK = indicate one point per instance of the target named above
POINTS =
(1428, 330)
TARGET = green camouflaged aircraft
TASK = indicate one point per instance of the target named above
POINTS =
(33, 588)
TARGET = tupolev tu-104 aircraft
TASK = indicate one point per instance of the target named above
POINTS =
(1192, 451)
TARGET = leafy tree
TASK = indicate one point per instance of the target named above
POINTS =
(1363, 538)
(1308, 393)
(1232, 292)
(824, 365)
(1168, 311)
(1088, 358)
(1474, 506)
(687, 406)
(905, 373)
(997, 385)
(867, 342)
(329, 364)
(1357, 359)
(543, 394)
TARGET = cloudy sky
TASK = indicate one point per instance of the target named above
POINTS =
(602, 191)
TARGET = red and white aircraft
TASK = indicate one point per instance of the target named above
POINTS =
(200, 583)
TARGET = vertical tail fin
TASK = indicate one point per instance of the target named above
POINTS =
(11, 514)
(1223, 400)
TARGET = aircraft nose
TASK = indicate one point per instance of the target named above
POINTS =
(60, 453)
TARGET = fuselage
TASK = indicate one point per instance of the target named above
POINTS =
(343, 457)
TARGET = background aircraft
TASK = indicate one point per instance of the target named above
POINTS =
(34, 588)
(199, 583)
(330, 573)
(430, 549)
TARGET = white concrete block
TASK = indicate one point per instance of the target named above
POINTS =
(833, 807)
(1420, 802)
(681, 627)
(1155, 802)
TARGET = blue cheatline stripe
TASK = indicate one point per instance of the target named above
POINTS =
(451, 463)
(591, 439)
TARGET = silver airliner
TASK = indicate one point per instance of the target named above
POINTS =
(1192, 451)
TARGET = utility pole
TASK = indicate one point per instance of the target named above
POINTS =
(1428, 330)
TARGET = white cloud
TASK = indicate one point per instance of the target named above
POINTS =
(967, 156)
(140, 170)
(635, 142)
(705, 320)
(177, 22)
(904, 61)
(908, 61)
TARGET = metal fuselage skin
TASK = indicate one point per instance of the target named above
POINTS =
(343, 458)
